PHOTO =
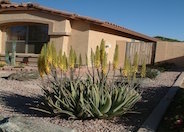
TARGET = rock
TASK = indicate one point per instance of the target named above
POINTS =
(25, 124)
(23, 76)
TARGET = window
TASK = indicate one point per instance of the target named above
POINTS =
(28, 38)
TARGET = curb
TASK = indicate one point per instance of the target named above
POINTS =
(152, 122)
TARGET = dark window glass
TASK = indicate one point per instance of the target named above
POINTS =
(29, 38)
(17, 33)
(38, 33)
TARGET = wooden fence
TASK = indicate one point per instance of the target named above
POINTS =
(145, 51)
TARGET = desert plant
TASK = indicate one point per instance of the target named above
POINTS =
(80, 60)
(152, 73)
(13, 56)
(136, 62)
(127, 67)
(92, 97)
(19, 65)
(116, 58)
(143, 69)
(2, 63)
(82, 99)
(7, 57)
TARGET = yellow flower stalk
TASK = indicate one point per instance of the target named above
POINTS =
(135, 63)
(40, 66)
(71, 58)
(116, 57)
(54, 56)
(92, 57)
(127, 67)
(42, 63)
(60, 60)
(75, 57)
(97, 58)
(80, 60)
(65, 63)
(102, 51)
(49, 53)
(104, 64)
(86, 57)
(143, 70)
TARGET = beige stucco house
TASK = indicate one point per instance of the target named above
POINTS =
(32, 25)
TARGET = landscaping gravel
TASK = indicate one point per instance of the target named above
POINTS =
(17, 96)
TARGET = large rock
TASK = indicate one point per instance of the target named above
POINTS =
(23, 76)
(25, 124)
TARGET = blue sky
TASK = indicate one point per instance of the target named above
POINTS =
(151, 17)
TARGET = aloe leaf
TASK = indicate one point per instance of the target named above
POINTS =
(107, 105)
(96, 110)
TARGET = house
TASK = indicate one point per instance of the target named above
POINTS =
(31, 25)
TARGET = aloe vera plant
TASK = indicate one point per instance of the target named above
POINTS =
(91, 97)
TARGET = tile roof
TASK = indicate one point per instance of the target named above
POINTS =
(33, 6)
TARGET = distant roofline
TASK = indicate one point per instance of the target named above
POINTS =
(32, 6)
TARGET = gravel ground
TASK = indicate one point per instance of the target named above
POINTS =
(16, 98)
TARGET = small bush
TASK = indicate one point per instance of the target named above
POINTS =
(152, 73)
(19, 65)
(2, 64)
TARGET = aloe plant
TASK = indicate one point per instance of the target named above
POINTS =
(91, 97)
(83, 99)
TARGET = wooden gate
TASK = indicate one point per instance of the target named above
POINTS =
(145, 51)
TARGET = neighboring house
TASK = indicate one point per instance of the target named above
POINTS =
(32, 25)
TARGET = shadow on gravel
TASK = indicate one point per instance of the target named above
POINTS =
(20, 104)
(150, 98)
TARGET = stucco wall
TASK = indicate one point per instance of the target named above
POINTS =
(0, 39)
(79, 38)
(172, 52)
(111, 40)
(57, 24)
(59, 27)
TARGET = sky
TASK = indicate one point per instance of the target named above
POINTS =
(150, 17)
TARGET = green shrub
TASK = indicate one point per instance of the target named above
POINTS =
(93, 97)
(152, 73)
(143, 69)
(2, 64)
(7, 58)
